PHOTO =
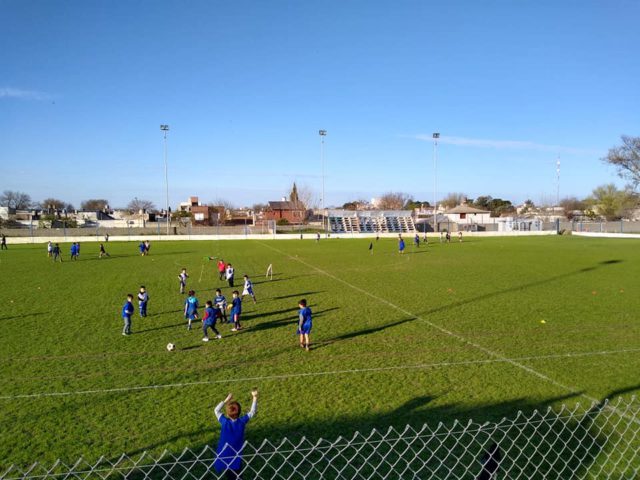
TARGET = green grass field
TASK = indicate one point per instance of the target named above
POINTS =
(440, 333)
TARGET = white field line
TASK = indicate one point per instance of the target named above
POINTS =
(491, 353)
(287, 376)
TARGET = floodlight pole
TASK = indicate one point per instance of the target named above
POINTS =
(558, 181)
(323, 133)
(165, 129)
(436, 136)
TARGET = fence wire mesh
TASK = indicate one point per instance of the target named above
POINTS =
(599, 442)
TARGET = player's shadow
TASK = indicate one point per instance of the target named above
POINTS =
(289, 321)
(26, 315)
(300, 295)
(157, 314)
(163, 327)
(359, 333)
(192, 347)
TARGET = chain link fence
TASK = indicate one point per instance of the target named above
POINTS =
(600, 442)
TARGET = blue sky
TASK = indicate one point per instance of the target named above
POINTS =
(246, 85)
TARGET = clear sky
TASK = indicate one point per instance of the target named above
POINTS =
(246, 85)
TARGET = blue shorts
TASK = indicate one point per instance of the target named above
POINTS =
(192, 315)
(306, 328)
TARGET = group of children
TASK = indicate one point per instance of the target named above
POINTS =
(444, 237)
(144, 247)
(225, 271)
(127, 309)
(215, 310)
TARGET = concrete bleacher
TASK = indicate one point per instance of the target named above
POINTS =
(371, 221)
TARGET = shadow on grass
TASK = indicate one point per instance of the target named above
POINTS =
(300, 295)
(359, 333)
(563, 447)
(23, 317)
(290, 321)
(516, 288)
(163, 327)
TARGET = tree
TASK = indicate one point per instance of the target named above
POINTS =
(55, 204)
(17, 200)
(412, 204)
(308, 197)
(611, 203)
(94, 204)
(626, 159)
(453, 199)
(571, 205)
(259, 207)
(221, 202)
(527, 206)
(501, 207)
(137, 204)
(483, 201)
(393, 200)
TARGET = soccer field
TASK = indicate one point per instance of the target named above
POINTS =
(448, 331)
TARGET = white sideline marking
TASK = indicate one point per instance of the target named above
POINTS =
(320, 374)
(459, 337)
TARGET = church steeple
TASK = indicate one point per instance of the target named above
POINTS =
(293, 196)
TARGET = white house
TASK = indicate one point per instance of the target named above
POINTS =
(466, 215)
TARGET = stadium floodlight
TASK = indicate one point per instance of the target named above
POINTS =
(323, 133)
(165, 129)
(436, 136)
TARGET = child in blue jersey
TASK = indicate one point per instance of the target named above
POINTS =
(232, 428)
(304, 324)
(191, 308)
(211, 315)
(236, 310)
(248, 289)
(127, 311)
(416, 240)
(221, 303)
(143, 249)
(183, 279)
(74, 251)
(401, 245)
(143, 299)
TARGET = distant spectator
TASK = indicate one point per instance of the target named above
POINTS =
(3, 242)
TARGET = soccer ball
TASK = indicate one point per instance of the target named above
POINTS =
(229, 307)
(171, 347)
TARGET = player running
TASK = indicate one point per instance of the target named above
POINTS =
(248, 289)
(191, 308)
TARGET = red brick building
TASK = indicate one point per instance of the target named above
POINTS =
(292, 212)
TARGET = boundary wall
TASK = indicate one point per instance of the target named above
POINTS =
(433, 237)
(607, 235)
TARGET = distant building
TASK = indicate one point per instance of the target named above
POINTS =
(464, 214)
(202, 214)
(292, 210)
